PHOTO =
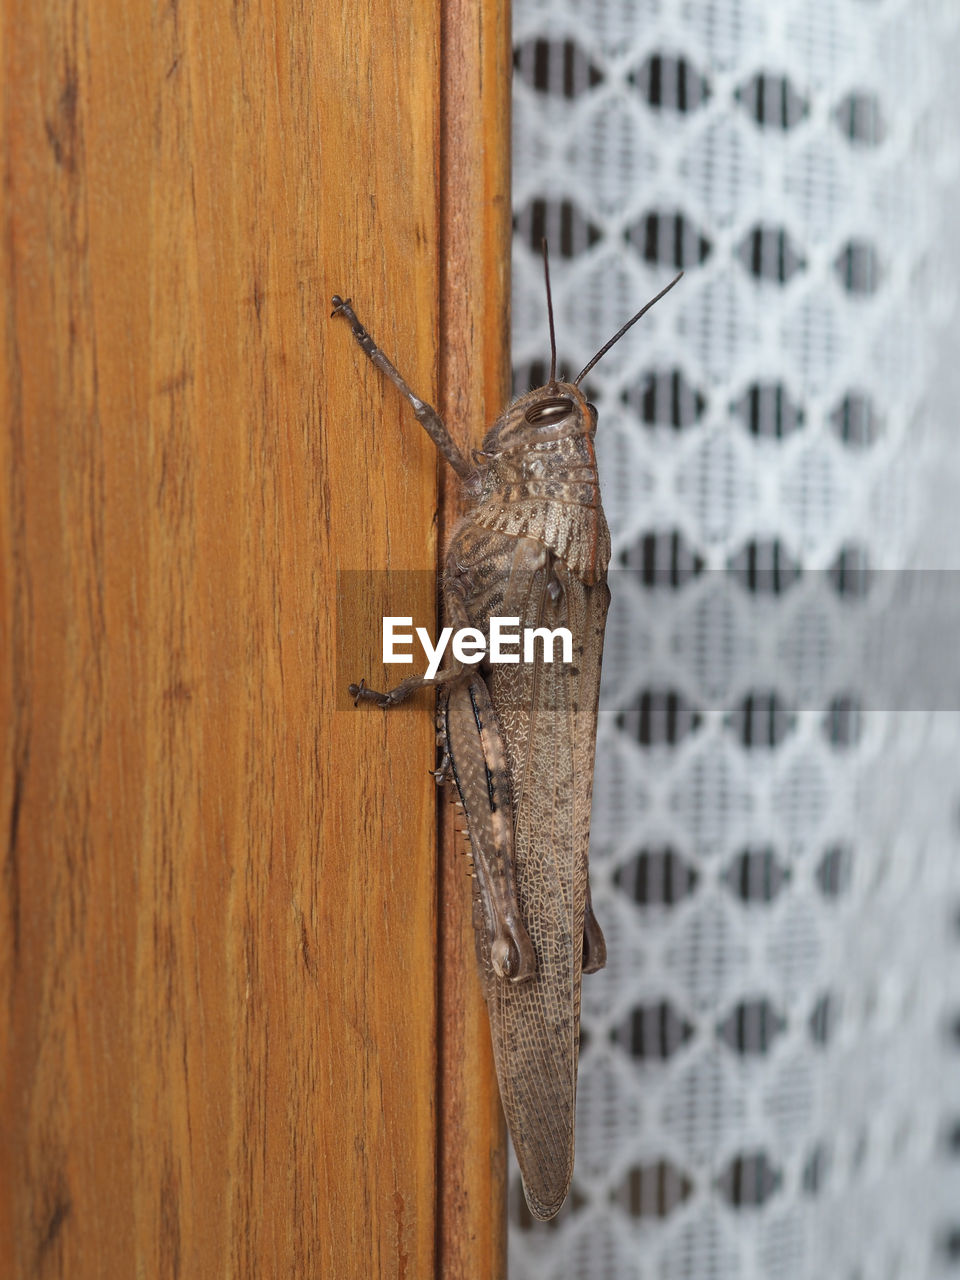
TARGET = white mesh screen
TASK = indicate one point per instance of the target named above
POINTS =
(770, 1071)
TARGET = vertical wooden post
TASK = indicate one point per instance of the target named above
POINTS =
(475, 383)
(219, 1019)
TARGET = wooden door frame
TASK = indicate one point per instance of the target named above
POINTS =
(240, 1029)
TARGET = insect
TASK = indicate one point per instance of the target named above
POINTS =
(518, 740)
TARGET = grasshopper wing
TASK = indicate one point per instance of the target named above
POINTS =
(547, 717)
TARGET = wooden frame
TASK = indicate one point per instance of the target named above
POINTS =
(224, 1045)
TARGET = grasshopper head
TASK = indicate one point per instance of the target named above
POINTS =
(559, 409)
(553, 412)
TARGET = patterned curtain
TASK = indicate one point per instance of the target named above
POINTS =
(770, 1070)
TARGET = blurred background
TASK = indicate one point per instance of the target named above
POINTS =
(770, 1070)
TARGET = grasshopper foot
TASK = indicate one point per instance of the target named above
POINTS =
(360, 693)
(444, 773)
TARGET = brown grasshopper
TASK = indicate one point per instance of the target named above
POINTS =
(518, 740)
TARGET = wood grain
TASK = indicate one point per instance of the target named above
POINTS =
(218, 928)
(475, 388)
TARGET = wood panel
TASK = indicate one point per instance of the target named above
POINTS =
(218, 938)
(475, 388)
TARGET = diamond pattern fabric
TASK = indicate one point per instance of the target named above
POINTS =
(770, 1068)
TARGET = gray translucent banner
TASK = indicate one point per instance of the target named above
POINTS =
(867, 639)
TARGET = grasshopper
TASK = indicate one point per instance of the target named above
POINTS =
(518, 741)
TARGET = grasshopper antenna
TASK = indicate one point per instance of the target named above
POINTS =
(553, 336)
(620, 332)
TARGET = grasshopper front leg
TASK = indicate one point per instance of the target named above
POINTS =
(450, 676)
(393, 697)
(426, 415)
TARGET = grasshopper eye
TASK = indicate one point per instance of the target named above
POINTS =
(549, 411)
